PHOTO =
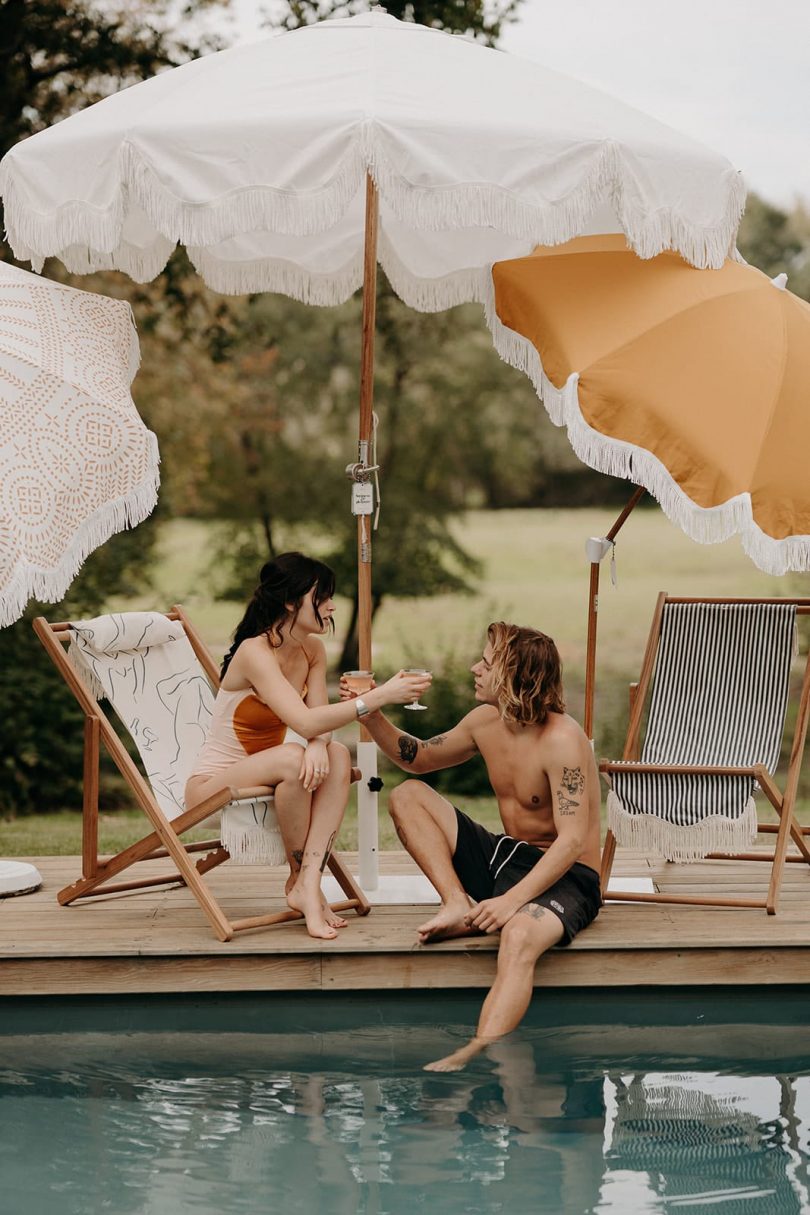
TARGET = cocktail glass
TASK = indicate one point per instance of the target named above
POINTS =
(415, 671)
(358, 681)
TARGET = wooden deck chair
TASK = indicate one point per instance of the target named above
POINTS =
(716, 719)
(157, 674)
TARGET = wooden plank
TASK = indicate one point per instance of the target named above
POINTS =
(89, 976)
(160, 940)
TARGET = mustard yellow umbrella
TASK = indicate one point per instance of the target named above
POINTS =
(694, 384)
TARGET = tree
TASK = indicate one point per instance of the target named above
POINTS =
(777, 242)
(57, 56)
(479, 19)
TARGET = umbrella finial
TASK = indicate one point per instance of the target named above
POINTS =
(780, 281)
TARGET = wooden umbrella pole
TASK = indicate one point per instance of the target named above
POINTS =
(366, 410)
(593, 608)
(367, 819)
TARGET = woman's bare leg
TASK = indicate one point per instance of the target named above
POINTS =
(279, 767)
(328, 807)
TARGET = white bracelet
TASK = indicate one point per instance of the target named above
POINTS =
(362, 708)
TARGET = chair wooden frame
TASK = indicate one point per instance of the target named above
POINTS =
(782, 802)
(164, 839)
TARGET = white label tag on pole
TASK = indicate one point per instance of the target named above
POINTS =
(362, 498)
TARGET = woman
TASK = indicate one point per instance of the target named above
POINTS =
(274, 677)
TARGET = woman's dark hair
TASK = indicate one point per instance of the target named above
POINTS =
(286, 579)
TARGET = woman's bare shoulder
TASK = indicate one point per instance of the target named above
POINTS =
(315, 650)
(254, 650)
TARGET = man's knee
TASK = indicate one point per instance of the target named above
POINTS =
(525, 937)
(404, 797)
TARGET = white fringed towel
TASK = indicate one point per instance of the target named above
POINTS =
(720, 695)
(144, 665)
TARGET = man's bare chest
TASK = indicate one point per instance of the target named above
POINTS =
(515, 766)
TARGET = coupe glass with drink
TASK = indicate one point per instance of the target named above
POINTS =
(415, 671)
(359, 681)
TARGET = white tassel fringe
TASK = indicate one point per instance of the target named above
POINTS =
(617, 458)
(49, 586)
(88, 238)
(250, 832)
(652, 834)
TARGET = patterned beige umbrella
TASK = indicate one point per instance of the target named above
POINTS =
(76, 462)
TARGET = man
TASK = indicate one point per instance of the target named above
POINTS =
(537, 884)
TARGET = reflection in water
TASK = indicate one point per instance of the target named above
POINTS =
(92, 1123)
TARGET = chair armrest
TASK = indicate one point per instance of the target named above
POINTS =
(240, 795)
(627, 765)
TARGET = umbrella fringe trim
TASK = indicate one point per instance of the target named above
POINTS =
(676, 842)
(49, 586)
(89, 238)
(618, 458)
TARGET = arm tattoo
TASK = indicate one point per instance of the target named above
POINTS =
(565, 805)
(436, 741)
(407, 748)
(573, 780)
(328, 850)
(534, 910)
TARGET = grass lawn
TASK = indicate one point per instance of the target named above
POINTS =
(60, 834)
(534, 571)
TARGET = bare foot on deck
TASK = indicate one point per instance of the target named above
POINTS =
(333, 919)
(447, 922)
(311, 905)
(459, 1058)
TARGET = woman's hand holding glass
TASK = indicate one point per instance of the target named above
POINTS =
(404, 688)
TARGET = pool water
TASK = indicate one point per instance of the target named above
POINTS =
(626, 1102)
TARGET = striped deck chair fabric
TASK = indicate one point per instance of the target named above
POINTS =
(144, 665)
(719, 698)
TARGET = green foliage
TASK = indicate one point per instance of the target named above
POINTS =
(450, 698)
(41, 725)
(777, 242)
(482, 19)
(58, 56)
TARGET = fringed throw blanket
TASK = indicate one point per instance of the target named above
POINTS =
(143, 664)
(720, 694)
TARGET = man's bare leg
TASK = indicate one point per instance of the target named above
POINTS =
(524, 939)
(427, 827)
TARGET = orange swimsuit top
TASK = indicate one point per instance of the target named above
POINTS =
(241, 725)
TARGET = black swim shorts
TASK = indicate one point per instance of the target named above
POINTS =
(489, 865)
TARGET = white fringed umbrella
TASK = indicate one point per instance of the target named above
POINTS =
(295, 163)
(76, 462)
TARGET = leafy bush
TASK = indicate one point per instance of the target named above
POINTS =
(41, 725)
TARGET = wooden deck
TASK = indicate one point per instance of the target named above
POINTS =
(158, 941)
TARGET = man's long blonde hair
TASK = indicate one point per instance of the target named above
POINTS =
(527, 671)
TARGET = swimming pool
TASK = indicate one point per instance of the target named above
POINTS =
(603, 1102)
